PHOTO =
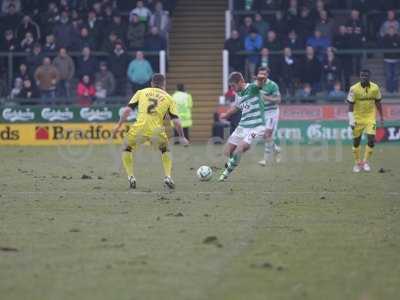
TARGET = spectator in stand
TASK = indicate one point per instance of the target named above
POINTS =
(261, 25)
(47, 77)
(272, 41)
(5, 6)
(234, 44)
(107, 16)
(35, 59)
(105, 79)
(390, 22)
(305, 23)
(28, 92)
(310, 70)
(11, 19)
(337, 94)
(293, 41)
(319, 43)
(139, 72)
(356, 39)
(154, 42)
(66, 68)
(288, 67)
(85, 91)
(50, 18)
(280, 25)
(86, 64)
(16, 90)
(246, 27)
(184, 104)
(23, 73)
(391, 40)
(160, 19)
(355, 24)
(117, 26)
(85, 39)
(268, 61)
(135, 33)
(9, 43)
(318, 7)
(109, 42)
(331, 69)
(95, 28)
(141, 11)
(253, 43)
(28, 25)
(292, 13)
(118, 62)
(50, 45)
(27, 43)
(342, 42)
(325, 25)
(305, 94)
(64, 32)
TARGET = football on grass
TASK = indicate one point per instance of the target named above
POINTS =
(204, 173)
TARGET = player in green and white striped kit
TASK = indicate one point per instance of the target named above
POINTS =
(252, 123)
(272, 97)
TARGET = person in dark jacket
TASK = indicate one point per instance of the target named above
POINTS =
(287, 67)
(391, 60)
(310, 70)
(118, 63)
(235, 44)
(64, 32)
(86, 64)
(331, 69)
(34, 60)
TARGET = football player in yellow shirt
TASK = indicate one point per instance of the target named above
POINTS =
(153, 104)
(364, 99)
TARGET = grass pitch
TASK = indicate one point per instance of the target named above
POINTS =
(306, 228)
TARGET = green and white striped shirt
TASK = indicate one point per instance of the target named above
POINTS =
(270, 88)
(251, 105)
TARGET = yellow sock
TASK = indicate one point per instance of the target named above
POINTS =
(368, 152)
(127, 161)
(167, 163)
(357, 154)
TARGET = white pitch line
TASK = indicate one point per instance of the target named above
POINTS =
(185, 192)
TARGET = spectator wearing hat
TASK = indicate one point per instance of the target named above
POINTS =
(139, 72)
(252, 43)
(160, 19)
(135, 33)
(47, 77)
(118, 63)
(184, 103)
(104, 80)
(66, 68)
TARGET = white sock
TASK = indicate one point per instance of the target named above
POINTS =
(268, 151)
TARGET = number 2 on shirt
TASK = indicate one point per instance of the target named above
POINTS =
(151, 109)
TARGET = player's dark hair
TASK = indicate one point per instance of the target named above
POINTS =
(365, 71)
(158, 80)
(180, 87)
(260, 69)
(235, 77)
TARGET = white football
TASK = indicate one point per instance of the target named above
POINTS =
(204, 173)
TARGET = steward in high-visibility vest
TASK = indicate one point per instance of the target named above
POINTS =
(184, 104)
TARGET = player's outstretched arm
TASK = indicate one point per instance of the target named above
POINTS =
(229, 113)
(124, 117)
(179, 130)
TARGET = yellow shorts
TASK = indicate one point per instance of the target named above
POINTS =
(368, 128)
(153, 137)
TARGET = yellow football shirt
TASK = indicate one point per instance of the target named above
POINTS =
(364, 102)
(153, 105)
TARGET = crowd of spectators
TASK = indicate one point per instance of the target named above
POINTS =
(308, 38)
(55, 43)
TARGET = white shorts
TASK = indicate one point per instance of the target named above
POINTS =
(248, 135)
(271, 119)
